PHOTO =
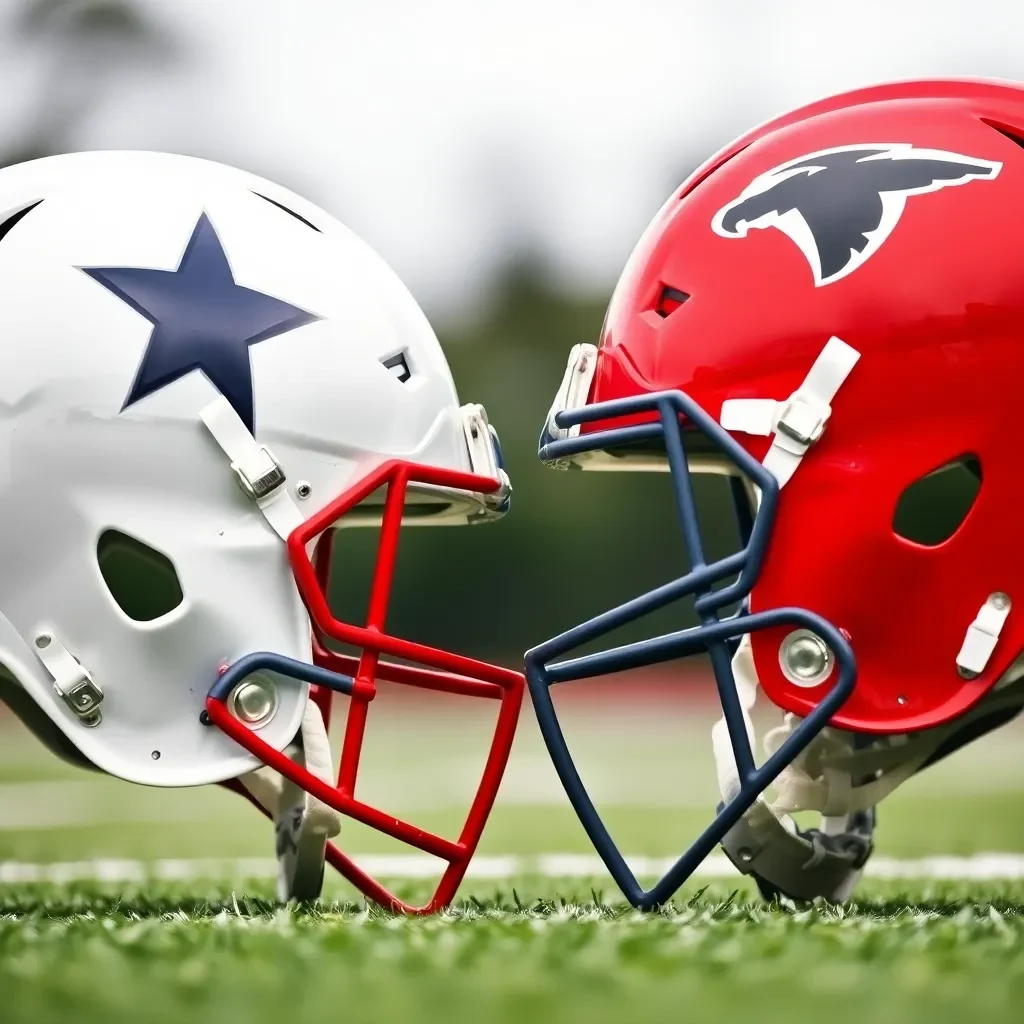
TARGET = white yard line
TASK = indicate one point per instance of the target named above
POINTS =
(982, 866)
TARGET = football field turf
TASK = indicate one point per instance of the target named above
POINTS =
(118, 902)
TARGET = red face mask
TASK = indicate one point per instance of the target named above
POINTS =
(432, 670)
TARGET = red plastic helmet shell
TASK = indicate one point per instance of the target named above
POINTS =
(937, 315)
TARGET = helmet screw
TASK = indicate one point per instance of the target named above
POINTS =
(805, 658)
(254, 700)
(303, 489)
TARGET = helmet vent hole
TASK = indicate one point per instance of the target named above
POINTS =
(398, 364)
(936, 505)
(669, 301)
(8, 224)
(1015, 135)
(290, 212)
(141, 580)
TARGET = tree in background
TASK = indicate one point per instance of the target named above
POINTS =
(82, 47)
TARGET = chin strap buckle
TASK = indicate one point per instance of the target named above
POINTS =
(264, 481)
(800, 421)
(72, 682)
(258, 473)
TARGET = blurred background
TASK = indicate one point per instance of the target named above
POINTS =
(504, 159)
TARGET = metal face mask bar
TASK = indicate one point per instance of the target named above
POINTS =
(714, 636)
(358, 676)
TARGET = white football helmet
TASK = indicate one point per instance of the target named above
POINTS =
(196, 365)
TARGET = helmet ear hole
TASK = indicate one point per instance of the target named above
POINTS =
(141, 580)
(935, 506)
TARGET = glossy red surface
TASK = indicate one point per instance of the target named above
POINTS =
(937, 314)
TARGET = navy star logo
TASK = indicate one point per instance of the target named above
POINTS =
(202, 320)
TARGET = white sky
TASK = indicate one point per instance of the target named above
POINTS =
(447, 132)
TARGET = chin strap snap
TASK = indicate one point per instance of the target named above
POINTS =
(302, 822)
(259, 474)
(798, 422)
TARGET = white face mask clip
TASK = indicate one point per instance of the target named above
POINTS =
(983, 635)
(574, 390)
(485, 453)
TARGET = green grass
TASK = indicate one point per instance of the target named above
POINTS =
(528, 950)
(932, 953)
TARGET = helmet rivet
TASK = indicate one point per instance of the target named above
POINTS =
(999, 600)
(254, 700)
(805, 658)
(303, 489)
(745, 854)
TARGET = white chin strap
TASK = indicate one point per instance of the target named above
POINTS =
(765, 841)
(800, 420)
(259, 474)
(303, 823)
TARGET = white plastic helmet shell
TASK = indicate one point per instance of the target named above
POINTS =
(75, 461)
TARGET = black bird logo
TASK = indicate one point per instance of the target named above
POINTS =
(841, 204)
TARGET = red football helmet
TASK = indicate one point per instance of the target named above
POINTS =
(831, 308)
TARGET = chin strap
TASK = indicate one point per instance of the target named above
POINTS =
(842, 776)
(799, 421)
(765, 842)
(302, 822)
(259, 474)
